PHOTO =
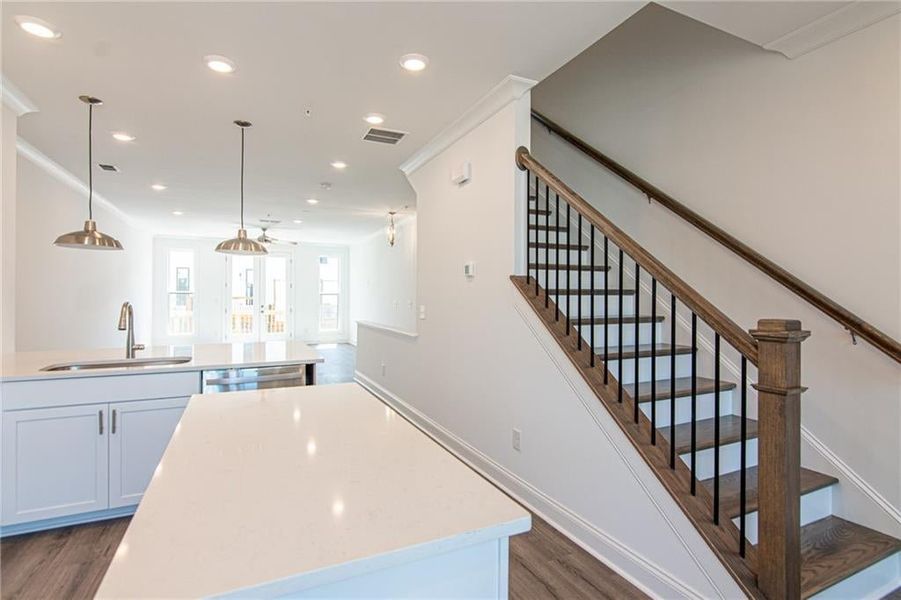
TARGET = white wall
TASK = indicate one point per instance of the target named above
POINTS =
(65, 298)
(8, 127)
(383, 279)
(482, 365)
(798, 158)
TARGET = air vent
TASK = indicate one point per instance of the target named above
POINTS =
(112, 168)
(384, 136)
(270, 220)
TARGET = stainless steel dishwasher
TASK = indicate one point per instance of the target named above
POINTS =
(257, 378)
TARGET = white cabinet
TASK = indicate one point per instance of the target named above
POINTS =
(139, 434)
(55, 462)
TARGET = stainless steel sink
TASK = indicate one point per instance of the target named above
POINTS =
(118, 363)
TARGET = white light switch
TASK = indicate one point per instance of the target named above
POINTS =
(422, 312)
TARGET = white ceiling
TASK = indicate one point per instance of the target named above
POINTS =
(340, 60)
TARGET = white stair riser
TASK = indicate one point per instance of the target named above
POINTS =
(644, 333)
(551, 236)
(571, 304)
(683, 366)
(814, 506)
(730, 459)
(705, 406)
(549, 255)
(873, 583)
(573, 278)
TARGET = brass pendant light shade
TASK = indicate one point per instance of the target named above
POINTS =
(242, 244)
(89, 238)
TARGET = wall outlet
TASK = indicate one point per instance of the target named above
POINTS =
(422, 312)
(517, 439)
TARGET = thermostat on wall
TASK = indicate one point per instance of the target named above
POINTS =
(462, 174)
(469, 269)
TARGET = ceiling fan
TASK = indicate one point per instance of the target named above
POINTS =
(265, 238)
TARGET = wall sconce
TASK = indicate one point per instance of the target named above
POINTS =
(391, 231)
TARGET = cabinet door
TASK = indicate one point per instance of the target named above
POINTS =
(55, 462)
(139, 434)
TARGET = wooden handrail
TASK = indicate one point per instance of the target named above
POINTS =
(740, 339)
(853, 323)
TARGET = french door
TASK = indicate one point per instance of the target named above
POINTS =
(258, 300)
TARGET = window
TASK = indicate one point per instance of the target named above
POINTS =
(329, 292)
(242, 300)
(180, 288)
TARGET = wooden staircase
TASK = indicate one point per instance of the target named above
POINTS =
(610, 306)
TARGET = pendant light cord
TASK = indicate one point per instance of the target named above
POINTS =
(90, 161)
(242, 178)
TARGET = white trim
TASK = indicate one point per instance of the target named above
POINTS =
(561, 518)
(15, 98)
(380, 327)
(833, 26)
(849, 474)
(510, 89)
(65, 176)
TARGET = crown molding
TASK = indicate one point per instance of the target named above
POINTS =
(828, 28)
(14, 98)
(511, 88)
(55, 170)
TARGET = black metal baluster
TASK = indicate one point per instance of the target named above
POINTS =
(557, 262)
(528, 231)
(606, 309)
(653, 362)
(579, 284)
(672, 383)
(744, 440)
(568, 252)
(537, 221)
(716, 429)
(547, 240)
(591, 275)
(694, 401)
(635, 313)
(619, 328)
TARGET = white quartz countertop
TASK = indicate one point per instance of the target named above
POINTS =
(298, 487)
(20, 366)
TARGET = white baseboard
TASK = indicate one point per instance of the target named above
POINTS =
(644, 574)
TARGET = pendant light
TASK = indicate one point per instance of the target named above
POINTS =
(242, 244)
(391, 230)
(89, 238)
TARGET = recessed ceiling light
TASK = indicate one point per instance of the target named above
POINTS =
(37, 27)
(325, 185)
(159, 187)
(220, 64)
(414, 62)
(374, 118)
(177, 213)
(339, 164)
(312, 201)
(123, 137)
(297, 221)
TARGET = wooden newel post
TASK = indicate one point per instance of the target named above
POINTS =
(779, 457)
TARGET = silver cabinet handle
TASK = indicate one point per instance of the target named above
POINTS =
(100, 420)
(254, 379)
(113, 427)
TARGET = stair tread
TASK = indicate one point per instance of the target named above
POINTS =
(644, 351)
(730, 490)
(705, 385)
(730, 432)
(833, 549)
(554, 246)
(586, 291)
(539, 211)
(559, 228)
(569, 268)
(614, 320)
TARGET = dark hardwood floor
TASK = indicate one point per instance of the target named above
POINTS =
(69, 564)
(340, 363)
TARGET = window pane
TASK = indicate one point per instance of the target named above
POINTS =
(180, 287)
(328, 312)
(275, 313)
(242, 297)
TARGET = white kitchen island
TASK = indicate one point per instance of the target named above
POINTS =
(310, 492)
